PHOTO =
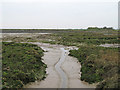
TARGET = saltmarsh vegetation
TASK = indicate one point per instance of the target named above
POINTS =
(72, 37)
(99, 64)
(95, 37)
(21, 64)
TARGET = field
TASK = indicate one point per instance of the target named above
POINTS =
(21, 64)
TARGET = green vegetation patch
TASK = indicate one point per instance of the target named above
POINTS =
(87, 37)
(99, 64)
(21, 64)
(73, 37)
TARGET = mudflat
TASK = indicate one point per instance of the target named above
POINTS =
(70, 66)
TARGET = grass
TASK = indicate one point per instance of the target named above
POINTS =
(98, 65)
(22, 63)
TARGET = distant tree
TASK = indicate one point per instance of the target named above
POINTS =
(107, 27)
(104, 27)
(92, 27)
(100, 28)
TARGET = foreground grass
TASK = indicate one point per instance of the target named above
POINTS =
(98, 65)
(21, 64)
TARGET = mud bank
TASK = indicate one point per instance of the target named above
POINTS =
(63, 70)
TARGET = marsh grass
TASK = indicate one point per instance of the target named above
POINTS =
(99, 64)
(21, 64)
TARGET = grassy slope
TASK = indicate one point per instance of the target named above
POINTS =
(21, 64)
(98, 65)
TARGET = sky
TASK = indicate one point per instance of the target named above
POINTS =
(58, 14)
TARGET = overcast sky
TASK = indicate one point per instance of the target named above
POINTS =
(58, 13)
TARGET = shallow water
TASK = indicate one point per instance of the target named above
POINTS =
(110, 45)
(63, 76)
